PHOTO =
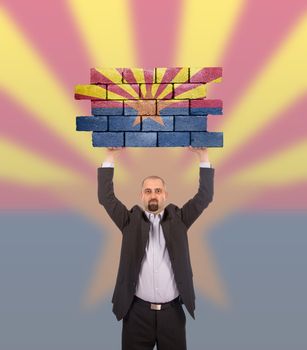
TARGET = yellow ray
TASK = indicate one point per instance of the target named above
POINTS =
(138, 74)
(111, 73)
(118, 96)
(206, 27)
(96, 91)
(167, 89)
(197, 92)
(181, 77)
(29, 81)
(107, 31)
(286, 167)
(280, 83)
(27, 168)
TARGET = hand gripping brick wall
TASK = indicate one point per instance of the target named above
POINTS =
(160, 107)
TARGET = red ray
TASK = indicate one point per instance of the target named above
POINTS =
(290, 127)
(170, 74)
(156, 26)
(261, 29)
(123, 93)
(291, 197)
(15, 196)
(51, 30)
(28, 132)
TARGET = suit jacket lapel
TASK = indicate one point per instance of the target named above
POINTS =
(165, 223)
(145, 226)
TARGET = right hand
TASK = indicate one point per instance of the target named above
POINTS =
(112, 153)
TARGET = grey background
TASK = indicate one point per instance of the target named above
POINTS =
(46, 261)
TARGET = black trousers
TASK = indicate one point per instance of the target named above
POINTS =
(144, 328)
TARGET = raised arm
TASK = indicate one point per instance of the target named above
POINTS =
(192, 209)
(114, 207)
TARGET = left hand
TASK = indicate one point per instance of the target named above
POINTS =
(202, 153)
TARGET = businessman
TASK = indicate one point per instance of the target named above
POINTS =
(155, 276)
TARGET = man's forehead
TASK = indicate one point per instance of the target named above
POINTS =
(153, 183)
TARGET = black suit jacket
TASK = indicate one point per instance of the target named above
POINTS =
(134, 226)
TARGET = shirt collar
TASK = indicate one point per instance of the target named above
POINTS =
(148, 213)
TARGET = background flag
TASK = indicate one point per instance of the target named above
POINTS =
(59, 250)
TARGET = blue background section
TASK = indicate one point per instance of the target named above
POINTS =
(46, 262)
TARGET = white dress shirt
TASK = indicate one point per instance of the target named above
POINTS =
(156, 281)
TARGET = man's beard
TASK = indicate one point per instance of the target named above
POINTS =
(153, 206)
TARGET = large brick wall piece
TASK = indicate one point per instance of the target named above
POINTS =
(159, 107)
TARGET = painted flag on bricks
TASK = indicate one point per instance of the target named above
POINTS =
(160, 107)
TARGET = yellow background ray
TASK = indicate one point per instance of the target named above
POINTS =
(205, 29)
(30, 82)
(106, 29)
(280, 83)
(27, 168)
(281, 169)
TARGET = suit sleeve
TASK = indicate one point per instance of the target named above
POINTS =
(192, 209)
(114, 207)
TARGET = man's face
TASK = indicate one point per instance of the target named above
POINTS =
(153, 195)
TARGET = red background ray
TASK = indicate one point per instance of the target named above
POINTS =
(50, 28)
(281, 133)
(33, 135)
(286, 198)
(15, 196)
(260, 30)
(156, 26)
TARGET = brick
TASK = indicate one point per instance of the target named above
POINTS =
(138, 75)
(149, 124)
(172, 75)
(206, 106)
(90, 92)
(173, 139)
(106, 75)
(140, 107)
(205, 75)
(123, 123)
(107, 107)
(123, 92)
(189, 91)
(108, 139)
(140, 139)
(207, 139)
(190, 123)
(91, 123)
(173, 107)
(156, 91)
